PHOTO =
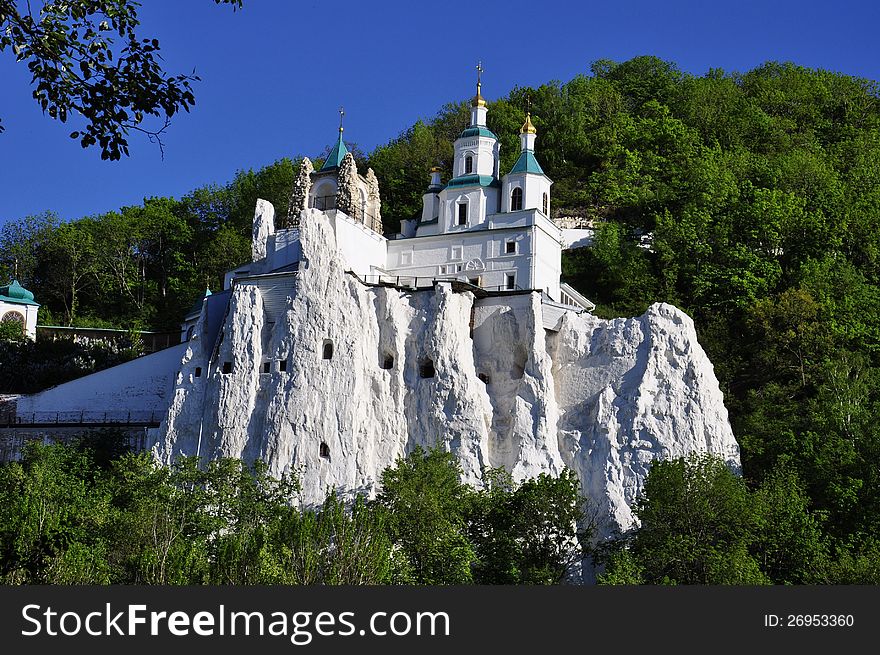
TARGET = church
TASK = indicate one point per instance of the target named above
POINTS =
(489, 231)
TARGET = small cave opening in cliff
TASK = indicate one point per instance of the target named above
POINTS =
(325, 450)
(484, 378)
(426, 368)
(387, 361)
(328, 349)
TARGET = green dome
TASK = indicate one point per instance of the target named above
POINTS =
(17, 294)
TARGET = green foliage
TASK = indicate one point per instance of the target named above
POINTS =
(527, 533)
(92, 513)
(507, 533)
(29, 366)
(69, 49)
(700, 524)
(428, 507)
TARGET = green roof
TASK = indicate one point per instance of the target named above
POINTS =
(477, 131)
(16, 294)
(527, 164)
(472, 180)
(334, 159)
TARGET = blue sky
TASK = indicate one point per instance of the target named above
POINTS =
(274, 74)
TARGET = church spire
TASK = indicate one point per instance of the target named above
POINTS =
(478, 100)
(478, 103)
(334, 159)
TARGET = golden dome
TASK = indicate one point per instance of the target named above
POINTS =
(527, 127)
(478, 100)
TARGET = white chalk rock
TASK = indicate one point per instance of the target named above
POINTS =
(371, 372)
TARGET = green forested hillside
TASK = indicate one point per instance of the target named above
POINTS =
(761, 191)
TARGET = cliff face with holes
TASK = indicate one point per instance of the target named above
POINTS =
(337, 379)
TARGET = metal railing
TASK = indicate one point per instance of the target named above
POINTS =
(324, 202)
(82, 418)
(426, 282)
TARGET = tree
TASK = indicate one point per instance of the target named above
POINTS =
(70, 50)
(696, 526)
(527, 533)
(427, 507)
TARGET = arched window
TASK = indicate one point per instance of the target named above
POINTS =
(468, 164)
(546, 204)
(14, 317)
(324, 450)
(516, 200)
(327, 352)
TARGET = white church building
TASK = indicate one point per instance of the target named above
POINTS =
(489, 231)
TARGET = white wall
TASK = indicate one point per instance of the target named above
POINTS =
(28, 311)
(481, 254)
(548, 263)
(534, 187)
(482, 201)
(485, 151)
(361, 248)
(141, 385)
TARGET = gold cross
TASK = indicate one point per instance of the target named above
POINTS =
(479, 70)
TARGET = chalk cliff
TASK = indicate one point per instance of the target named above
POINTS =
(317, 373)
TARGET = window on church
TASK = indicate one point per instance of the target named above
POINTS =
(516, 200)
(282, 365)
(198, 371)
(468, 164)
(511, 281)
(227, 368)
(328, 349)
(546, 204)
(510, 247)
(456, 252)
(426, 368)
(462, 213)
(16, 318)
(324, 450)
(475, 281)
(267, 367)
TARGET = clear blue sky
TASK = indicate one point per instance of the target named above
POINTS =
(274, 74)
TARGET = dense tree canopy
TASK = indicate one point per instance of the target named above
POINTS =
(750, 200)
(92, 513)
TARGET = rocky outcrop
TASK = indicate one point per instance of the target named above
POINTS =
(374, 201)
(348, 195)
(263, 227)
(299, 195)
(348, 377)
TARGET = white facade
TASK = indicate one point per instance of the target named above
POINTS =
(481, 228)
(17, 306)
